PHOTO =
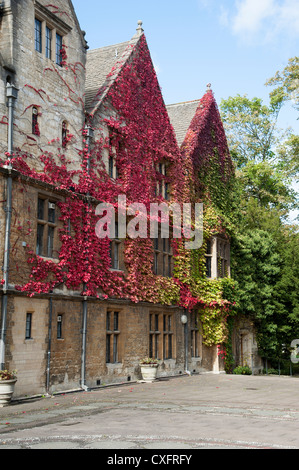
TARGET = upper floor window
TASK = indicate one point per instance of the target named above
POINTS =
(162, 188)
(58, 49)
(222, 258)
(46, 226)
(35, 125)
(64, 136)
(38, 35)
(116, 146)
(48, 43)
(50, 34)
(162, 257)
(217, 258)
(112, 168)
(115, 251)
(209, 259)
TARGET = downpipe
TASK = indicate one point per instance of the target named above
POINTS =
(11, 93)
(49, 346)
(83, 354)
(89, 135)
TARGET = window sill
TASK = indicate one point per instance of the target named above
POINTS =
(45, 258)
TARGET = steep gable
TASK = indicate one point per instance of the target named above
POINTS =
(129, 103)
(103, 67)
(206, 146)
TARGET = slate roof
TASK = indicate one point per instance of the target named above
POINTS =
(181, 115)
(102, 68)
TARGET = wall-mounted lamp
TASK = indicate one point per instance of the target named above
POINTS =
(184, 319)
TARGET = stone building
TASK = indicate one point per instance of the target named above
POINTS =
(78, 311)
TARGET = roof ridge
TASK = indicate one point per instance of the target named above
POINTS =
(108, 47)
(184, 102)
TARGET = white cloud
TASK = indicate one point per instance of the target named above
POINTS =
(251, 14)
(262, 20)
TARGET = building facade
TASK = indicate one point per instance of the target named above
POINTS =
(80, 310)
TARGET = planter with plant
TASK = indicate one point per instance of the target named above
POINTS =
(149, 368)
(7, 386)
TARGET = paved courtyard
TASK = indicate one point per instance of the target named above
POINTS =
(198, 412)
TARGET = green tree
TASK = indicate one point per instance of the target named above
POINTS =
(265, 250)
(286, 89)
(251, 128)
(286, 84)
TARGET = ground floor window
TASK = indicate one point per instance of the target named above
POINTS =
(28, 331)
(161, 336)
(112, 337)
(196, 338)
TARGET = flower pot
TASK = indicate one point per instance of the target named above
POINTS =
(149, 372)
(6, 391)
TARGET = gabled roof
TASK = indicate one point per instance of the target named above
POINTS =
(205, 141)
(102, 68)
(206, 115)
(181, 115)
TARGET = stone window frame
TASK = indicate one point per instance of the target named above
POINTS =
(161, 335)
(48, 42)
(57, 27)
(168, 336)
(113, 335)
(217, 258)
(112, 169)
(116, 252)
(42, 236)
(196, 337)
(35, 121)
(64, 133)
(162, 187)
(38, 35)
(223, 258)
(28, 325)
(59, 327)
(162, 251)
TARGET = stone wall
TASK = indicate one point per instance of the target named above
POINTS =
(56, 92)
(30, 356)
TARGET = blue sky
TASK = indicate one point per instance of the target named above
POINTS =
(235, 45)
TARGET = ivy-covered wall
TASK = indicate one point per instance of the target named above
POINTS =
(141, 138)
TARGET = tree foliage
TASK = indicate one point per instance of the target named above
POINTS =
(265, 248)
